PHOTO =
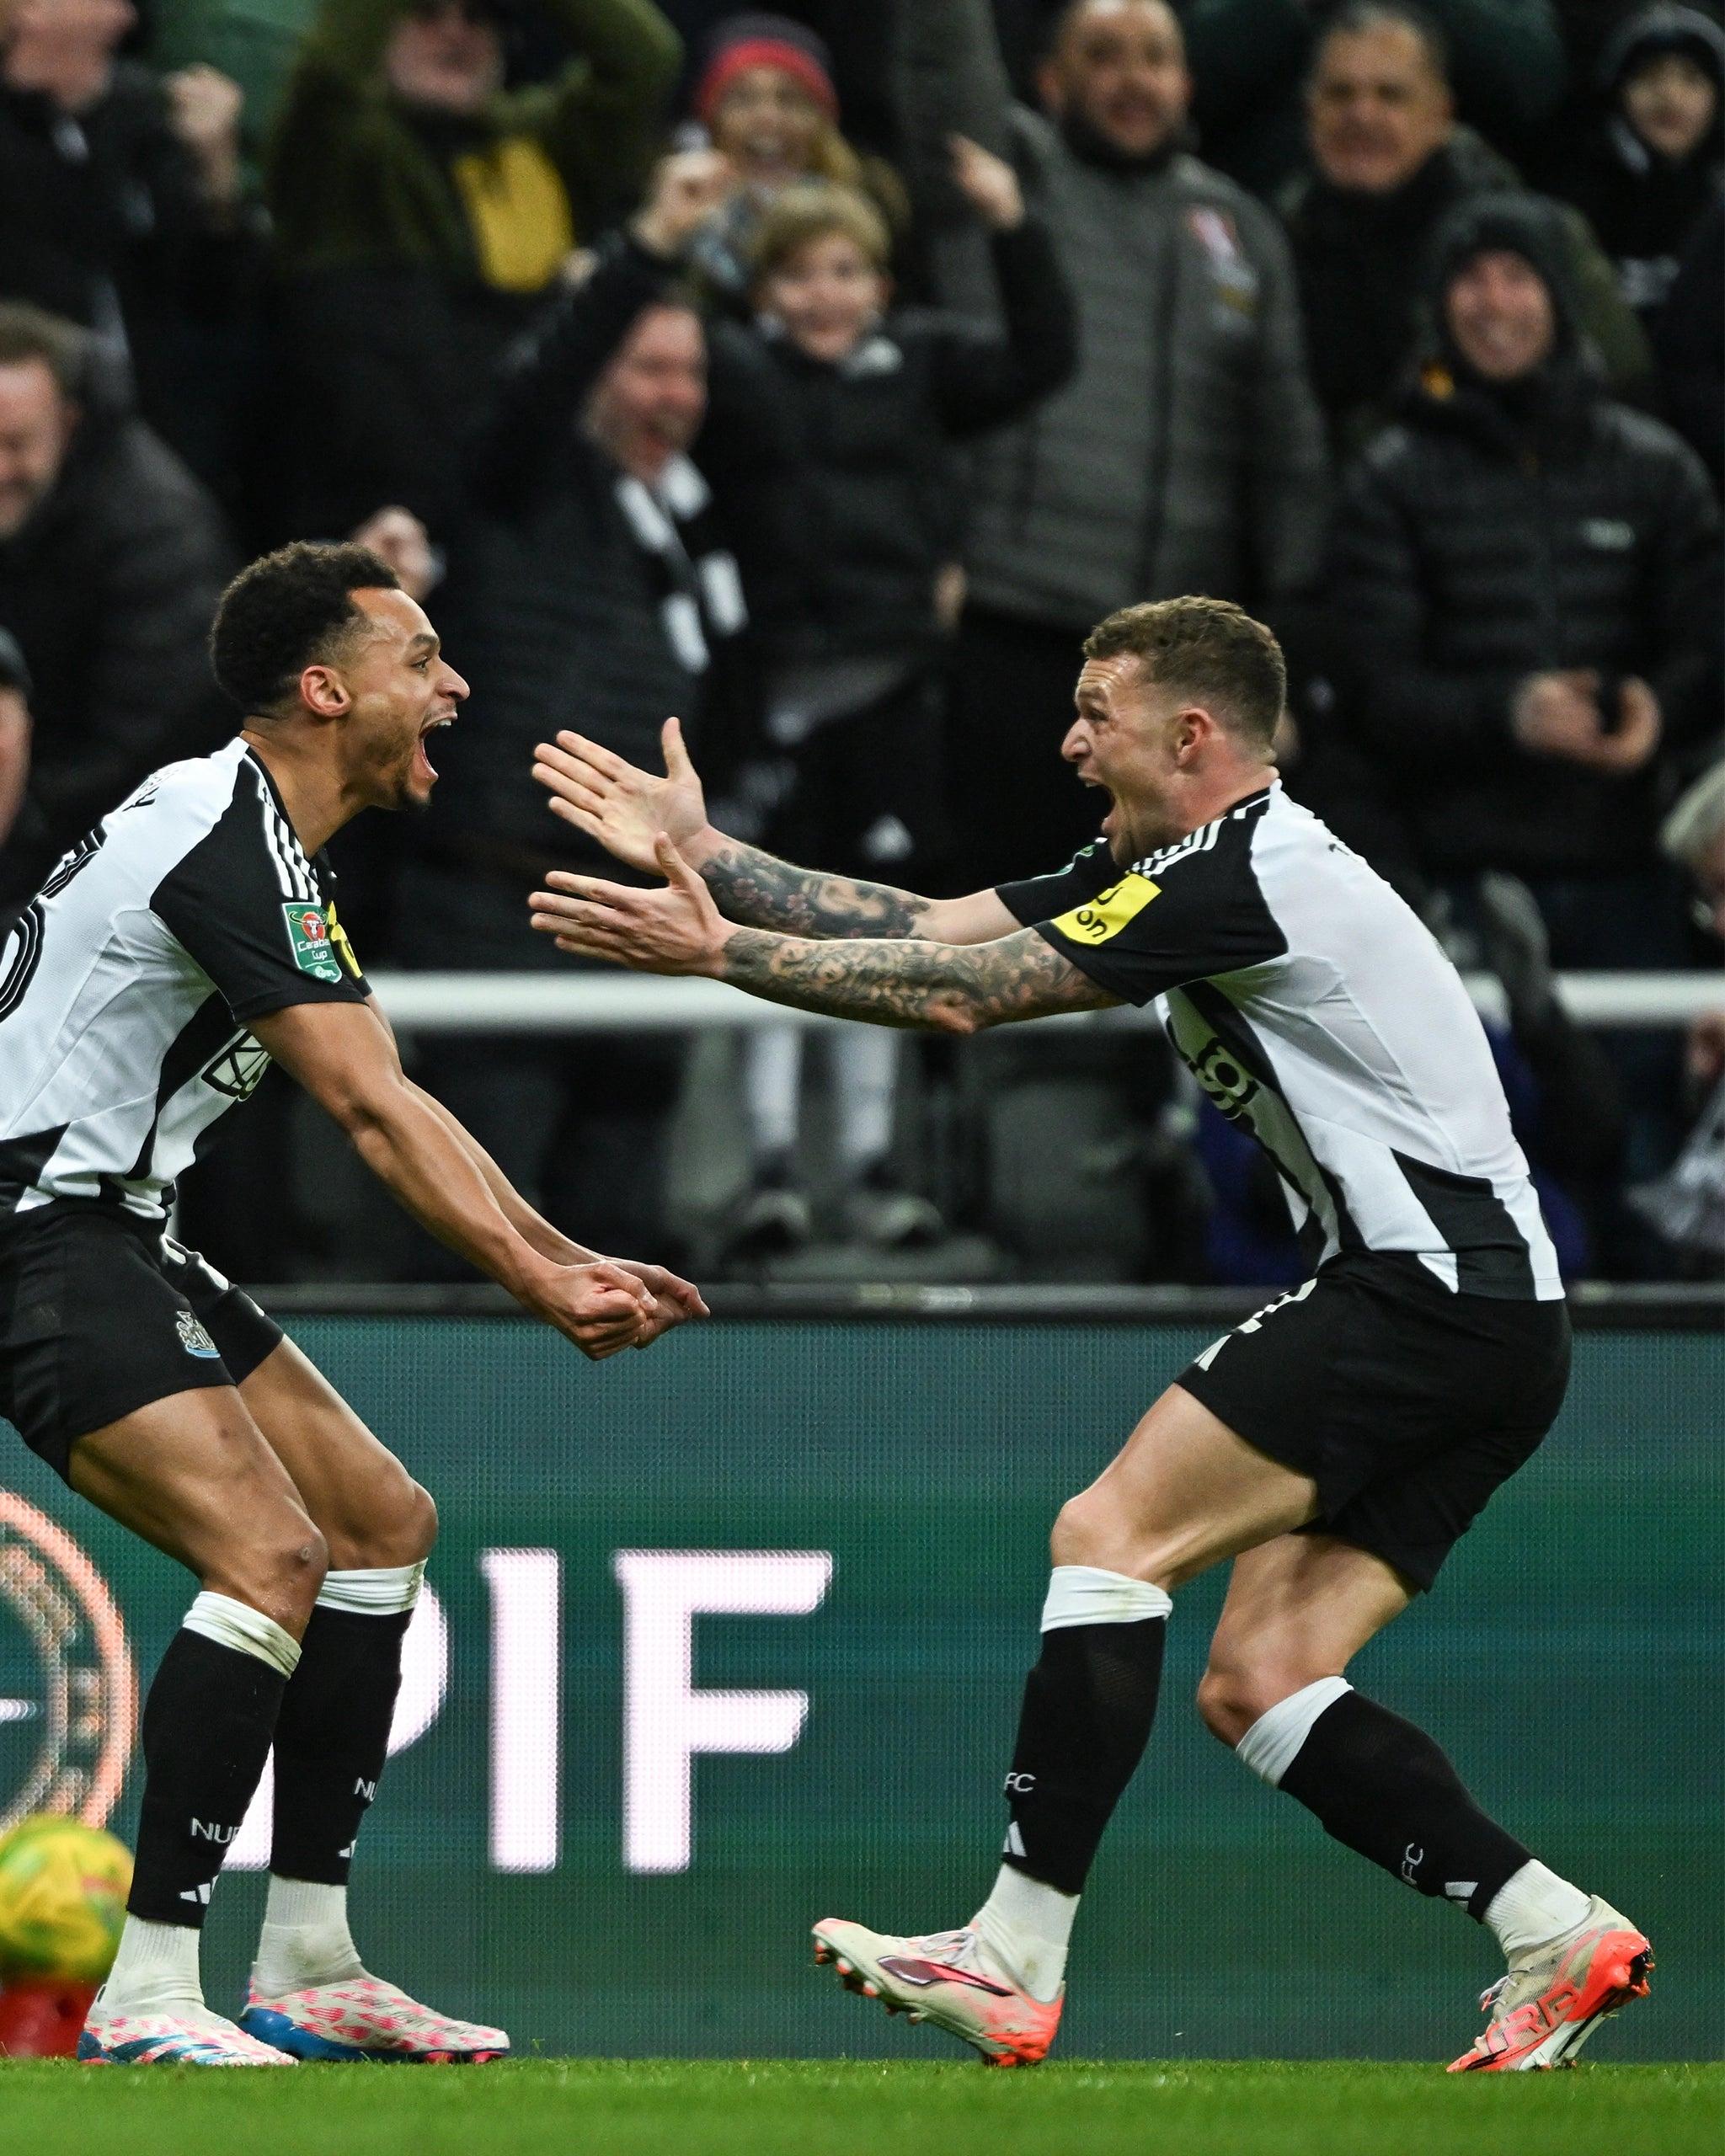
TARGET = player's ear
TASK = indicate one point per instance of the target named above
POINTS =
(324, 693)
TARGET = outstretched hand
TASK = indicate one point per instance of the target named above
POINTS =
(672, 928)
(628, 810)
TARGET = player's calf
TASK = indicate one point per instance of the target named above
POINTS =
(207, 1727)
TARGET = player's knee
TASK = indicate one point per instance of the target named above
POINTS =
(281, 1567)
(419, 1527)
(1086, 1532)
(1226, 1702)
(1234, 1692)
(404, 1531)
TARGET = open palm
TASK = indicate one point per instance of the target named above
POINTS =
(626, 809)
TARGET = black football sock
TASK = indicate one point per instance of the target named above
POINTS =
(332, 1735)
(1382, 1786)
(208, 1725)
(1088, 1706)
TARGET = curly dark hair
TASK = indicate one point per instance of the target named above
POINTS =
(1207, 649)
(285, 613)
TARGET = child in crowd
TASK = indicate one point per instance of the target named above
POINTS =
(1653, 171)
(851, 529)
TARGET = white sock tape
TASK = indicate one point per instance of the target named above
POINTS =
(385, 1592)
(237, 1625)
(1272, 1744)
(1086, 1594)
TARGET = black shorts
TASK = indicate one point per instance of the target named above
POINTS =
(101, 1314)
(1407, 1404)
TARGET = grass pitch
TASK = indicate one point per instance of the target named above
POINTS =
(780, 2108)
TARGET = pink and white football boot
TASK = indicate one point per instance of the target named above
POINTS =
(943, 1976)
(171, 2040)
(362, 2018)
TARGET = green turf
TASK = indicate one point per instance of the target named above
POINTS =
(736, 2108)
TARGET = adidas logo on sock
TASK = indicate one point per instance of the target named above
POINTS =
(199, 1893)
(1461, 1890)
(1014, 1844)
(349, 1850)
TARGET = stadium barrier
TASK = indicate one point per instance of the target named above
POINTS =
(729, 1636)
(613, 1001)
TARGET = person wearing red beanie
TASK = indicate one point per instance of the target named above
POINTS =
(766, 98)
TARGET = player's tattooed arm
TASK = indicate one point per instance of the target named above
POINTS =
(946, 987)
(953, 988)
(630, 812)
(757, 889)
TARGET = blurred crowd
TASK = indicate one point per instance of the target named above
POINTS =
(821, 376)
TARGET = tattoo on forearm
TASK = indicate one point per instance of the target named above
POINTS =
(950, 988)
(748, 885)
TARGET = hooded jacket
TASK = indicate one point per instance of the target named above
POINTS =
(1645, 208)
(1503, 531)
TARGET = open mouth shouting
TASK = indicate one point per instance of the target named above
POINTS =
(425, 771)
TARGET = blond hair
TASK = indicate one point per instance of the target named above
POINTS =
(1209, 649)
(808, 210)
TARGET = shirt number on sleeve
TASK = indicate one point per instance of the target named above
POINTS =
(1109, 911)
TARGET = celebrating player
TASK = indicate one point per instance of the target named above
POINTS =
(1336, 1445)
(176, 950)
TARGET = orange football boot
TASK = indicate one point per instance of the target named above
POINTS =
(1543, 2013)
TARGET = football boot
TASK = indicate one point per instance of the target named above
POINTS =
(943, 1977)
(364, 2019)
(1542, 2012)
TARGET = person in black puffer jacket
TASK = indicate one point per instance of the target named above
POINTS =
(1527, 573)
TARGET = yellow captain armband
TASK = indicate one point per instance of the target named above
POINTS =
(1109, 911)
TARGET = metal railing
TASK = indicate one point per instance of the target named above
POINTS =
(602, 1002)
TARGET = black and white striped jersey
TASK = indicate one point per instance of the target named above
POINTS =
(126, 984)
(1316, 1010)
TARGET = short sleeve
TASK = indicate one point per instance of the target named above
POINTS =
(1189, 913)
(1040, 898)
(248, 907)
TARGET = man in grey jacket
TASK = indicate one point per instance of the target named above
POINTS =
(1186, 454)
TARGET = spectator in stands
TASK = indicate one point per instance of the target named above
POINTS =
(766, 101)
(122, 208)
(590, 586)
(1187, 453)
(1649, 172)
(1388, 160)
(112, 558)
(1686, 1207)
(1529, 575)
(421, 211)
(1250, 57)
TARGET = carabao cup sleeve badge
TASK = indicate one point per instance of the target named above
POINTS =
(308, 933)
